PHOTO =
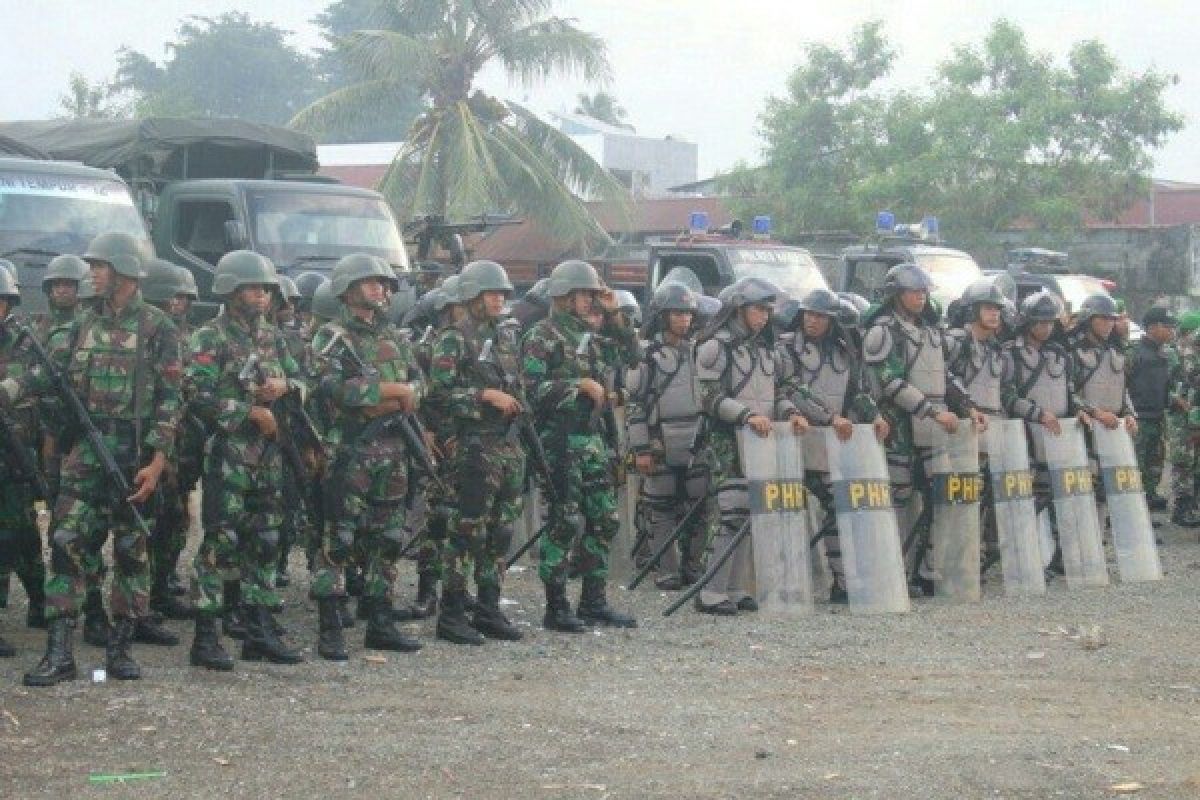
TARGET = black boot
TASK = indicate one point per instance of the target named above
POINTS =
(206, 646)
(452, 624)
(594, 608)
(232, 620)
(59, 662)
(165, 603)
(427, 600)
(347, 616)
(96, 627)
(488, 618)
(331, 645)
(262, 642)
(150, 630)
(382, 633)
(118, 659)
(35, 589)
(558, 612)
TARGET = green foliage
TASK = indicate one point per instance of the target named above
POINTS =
(1005, 134)
(468, 153)
(84, 100)
(224, 66)
(603, 107)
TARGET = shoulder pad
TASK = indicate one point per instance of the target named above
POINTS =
(877, 344)
(710, 354)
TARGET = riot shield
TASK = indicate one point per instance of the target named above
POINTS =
(779, 531)
(875, 578)
(1075, 505)
(1129, 518)
(530, 522)
(957, 486)
(1016, 513)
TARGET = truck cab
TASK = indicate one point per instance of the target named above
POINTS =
(48, 208)
(864, 266)
(719, 258)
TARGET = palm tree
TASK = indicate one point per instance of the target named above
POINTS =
(603, 107)
(469, 153)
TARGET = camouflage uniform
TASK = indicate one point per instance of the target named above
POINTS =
(1155, 373)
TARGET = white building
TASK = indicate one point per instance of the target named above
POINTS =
(646, 165)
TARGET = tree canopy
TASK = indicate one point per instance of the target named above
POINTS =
(603, 107)
(1004, 135)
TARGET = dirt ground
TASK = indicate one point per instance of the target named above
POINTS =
(1068, 695)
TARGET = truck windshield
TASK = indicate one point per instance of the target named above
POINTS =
(290, 226)
(792, 270)
(951, 273)
(62, 213)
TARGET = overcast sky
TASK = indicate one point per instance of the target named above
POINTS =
(698, 69)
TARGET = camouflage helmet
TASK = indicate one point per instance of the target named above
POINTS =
(984, 290)
(822, 301)
(187, 283)
(748, 292)
(64, 268)
(243, 268)
(325, 304)
(573, 275)
(162, 281)
(482, 276)
(447, 294)
(1098, 305)
(360, 266)
(288, 289)
(9, 289)
(906, 276)
(1042, 306)
(125, 254)
(307, 283)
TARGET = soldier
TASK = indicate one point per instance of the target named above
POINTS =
(239, 366)
(474, 375)
(821, 356)
(20, 541)
(1099, 362)
(666, 436)
(1182, 450)
(307, 284)
(284, 303)
(743, 380)
(564, 380)
(60, 284)
(1042, 390)
(122, 357)
(904, 349)
(372, 379)
(1155, 375)
(975, 356)
(166, 288)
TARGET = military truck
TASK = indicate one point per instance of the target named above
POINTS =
(864, 266)
(208, 186)
(52, 207)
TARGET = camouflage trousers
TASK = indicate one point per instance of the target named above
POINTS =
(366, 497)
(20, 541)
(581, 464)
(1150, 445)
(489, 475)
(170, 525)
(1182, 456)
(87, 511)
(242, 514)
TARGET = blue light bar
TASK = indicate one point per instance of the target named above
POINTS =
(930, 225)
(762, 226)
(885, 222)
(698, 222)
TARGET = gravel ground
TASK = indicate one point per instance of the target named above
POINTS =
(1068, 695)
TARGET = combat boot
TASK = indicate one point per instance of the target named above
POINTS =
(35, 589)
(96, 627)
(262, 642)
(59, 662)
(382, 633)
(165, 603)
(594, 607)
(331, 645)
(206, 646)
(558, 612)
(452, 624)
(1155, 501)
(489, 620)
(347, 616)
(150, 630)
(427, 601)
(1185, 514)
(118, 659)
(232, 620)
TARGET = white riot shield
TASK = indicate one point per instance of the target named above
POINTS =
(1075, 505)
(957, 486)
(779, 530)
(620, 564)
(1016, 513)
(862, 491)
(1132, 533)
(526, 526)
